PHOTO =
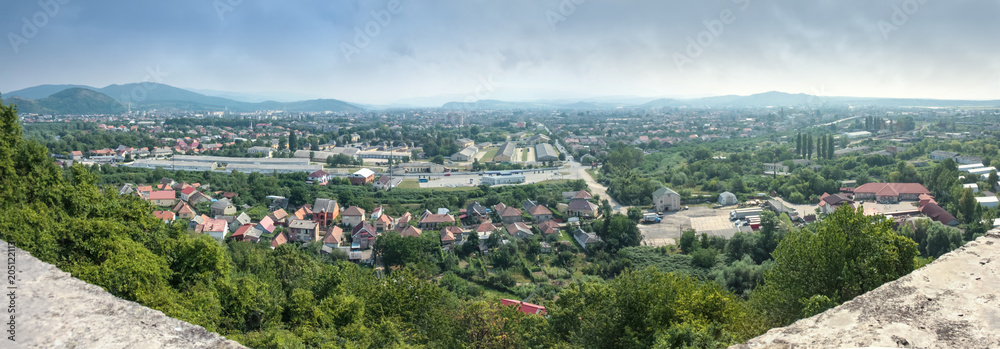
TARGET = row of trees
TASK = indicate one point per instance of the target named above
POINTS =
(824, 146)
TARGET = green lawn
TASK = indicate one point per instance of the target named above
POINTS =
(524, 154)
(490, 153)
(409, 184)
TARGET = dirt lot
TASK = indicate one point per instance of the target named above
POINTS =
(704, 219)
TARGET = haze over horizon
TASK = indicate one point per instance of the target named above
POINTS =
(515, 50)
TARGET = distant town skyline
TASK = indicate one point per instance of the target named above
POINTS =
(383, 52)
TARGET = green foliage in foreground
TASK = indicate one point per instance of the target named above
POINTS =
(842, 257)
(291, 297)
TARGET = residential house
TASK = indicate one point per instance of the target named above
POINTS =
(198, 197)
(485, 229)
(334, 236)
(166, 216)
(457, 233)
(186, 193)
(447, 237)
(301, 230)
(582, 194)
(183, 210)
(545, 247)
(144, 190)
(434, 221)
(279, 217)
(548, 228)
(828, 203)
(266, 225)
(665, 200)
(363, 235)
(162, 197)
(386, 183)
(403, 220)
(582, 208)
(223, 207)
(519, 229)
(410, 231)
(476, 213)
(238, 221)
(890, 192)
(279, 240)
(216, 228)
(540, 214)
(353, 216)
(527, 308)
(240, 234)
(510, 215)
(528, 204)
(585, 239)
(362, 177)
(383, 223)
(725, 199)
(319, 177)
(325, 211)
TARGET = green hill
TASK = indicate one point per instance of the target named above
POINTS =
(74, 100)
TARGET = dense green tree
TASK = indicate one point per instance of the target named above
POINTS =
(845, 255)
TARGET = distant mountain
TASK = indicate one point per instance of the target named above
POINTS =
(74, 100)
(161, 96)
(489, 104)
(42, 91)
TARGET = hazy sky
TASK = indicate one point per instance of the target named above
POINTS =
(511, 49)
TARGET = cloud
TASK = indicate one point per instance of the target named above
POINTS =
(943, 49)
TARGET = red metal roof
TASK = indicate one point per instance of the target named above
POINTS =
(527, 308)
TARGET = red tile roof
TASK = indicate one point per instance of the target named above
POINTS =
(242, 230)
(213, 224)
(187, 190)
(410, 231)
(164, 215)
(437, 218)
(279, 240)
(891, 189)
(354, 211)
(162, 195)
(334, 236)
(527, 308)
(539, 210)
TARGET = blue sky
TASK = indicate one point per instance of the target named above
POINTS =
(512, 49)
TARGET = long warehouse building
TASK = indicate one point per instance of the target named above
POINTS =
(272, 168)
(545, 152)
(506, 153)
(247, 161)
(174, 165)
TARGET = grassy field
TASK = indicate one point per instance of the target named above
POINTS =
(409, 184)
(524, 154)
(490, 153)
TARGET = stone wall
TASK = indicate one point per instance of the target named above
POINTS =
(55, 310)
(951, 303)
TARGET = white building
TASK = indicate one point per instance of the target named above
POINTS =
(988, 201)
(174, 165)
(267, 151)
(272, 168)
(973, 186)
(665, 199)
(727, 198)
(503, 179)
